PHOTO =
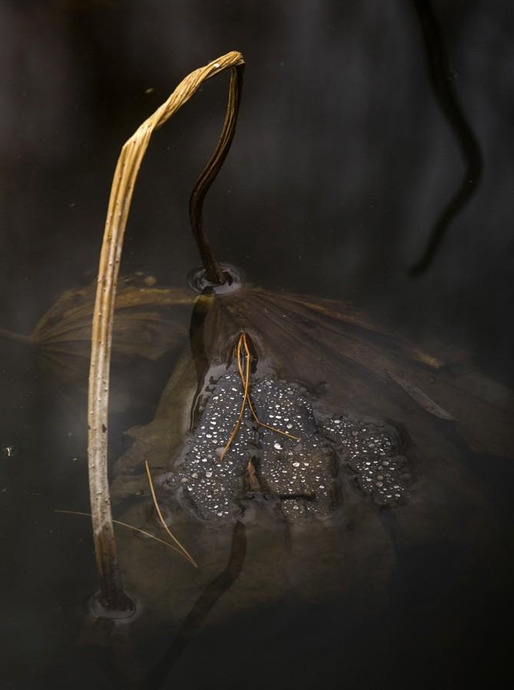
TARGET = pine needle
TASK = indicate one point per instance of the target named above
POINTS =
(268, 426)
(183, 550)
(135, 529)
(243, 366)
(245, 379)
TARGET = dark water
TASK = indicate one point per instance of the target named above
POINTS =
(344, 160)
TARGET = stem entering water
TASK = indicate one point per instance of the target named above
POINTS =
(125, 176)
(213, 270)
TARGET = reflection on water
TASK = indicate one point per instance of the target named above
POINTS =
(341, 164)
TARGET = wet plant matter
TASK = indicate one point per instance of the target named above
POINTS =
(112, 595)
(383, 422)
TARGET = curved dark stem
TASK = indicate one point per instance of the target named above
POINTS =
(445, 94)
(203, 606)
(213, 270)
(197, 344)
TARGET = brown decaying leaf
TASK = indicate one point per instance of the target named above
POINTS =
(352, 367)
(148, 322)
(348, 366)
(331, 342)
(366, 371)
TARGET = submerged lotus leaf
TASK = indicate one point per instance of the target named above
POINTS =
(377, 461)
(148, 321)
(355, 387)
(297, 473)
(364, 370)
(299, 457)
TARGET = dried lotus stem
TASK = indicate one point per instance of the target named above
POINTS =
(112, 595)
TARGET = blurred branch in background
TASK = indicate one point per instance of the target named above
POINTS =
(441, 80)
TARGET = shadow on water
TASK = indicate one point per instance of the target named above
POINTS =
(442, 82)
(200, 610)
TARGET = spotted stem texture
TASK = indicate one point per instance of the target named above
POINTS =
(125, 176)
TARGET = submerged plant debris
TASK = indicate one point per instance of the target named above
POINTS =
(332, 410)
(283, 410)
(147, 323)
(350, 398)
(334, 447)
(294, 457)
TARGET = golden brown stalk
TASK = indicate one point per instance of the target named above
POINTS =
(125, 176)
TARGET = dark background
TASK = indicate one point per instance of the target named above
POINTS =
(341, 165)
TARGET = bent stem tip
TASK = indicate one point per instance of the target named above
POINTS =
(125, 177)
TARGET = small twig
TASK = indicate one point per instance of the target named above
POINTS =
(249, 399)
(243, 367)
(245, 378)
(183, 550)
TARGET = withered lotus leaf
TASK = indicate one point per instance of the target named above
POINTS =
(148, 322)
(348, 364)
(378, 428)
